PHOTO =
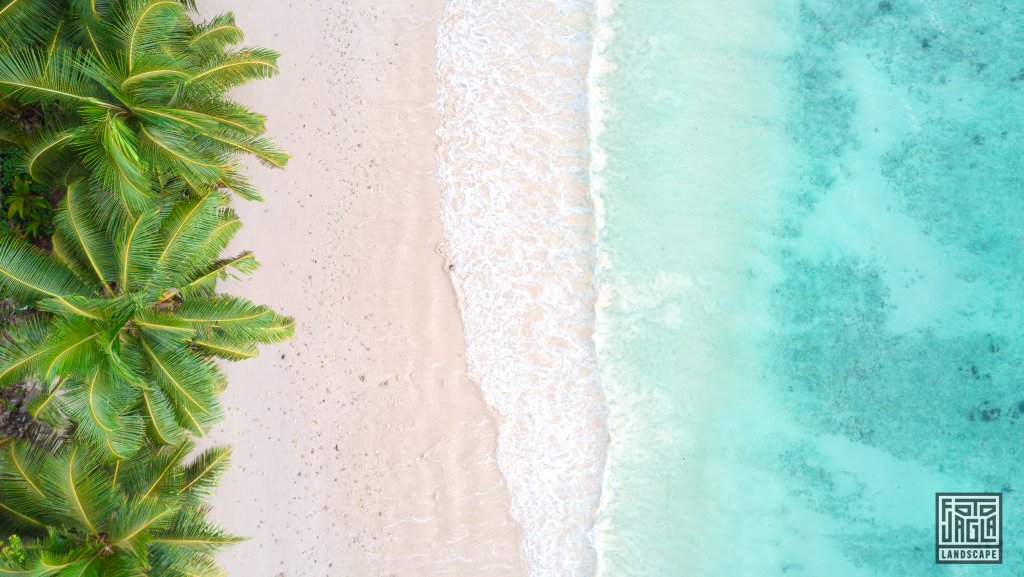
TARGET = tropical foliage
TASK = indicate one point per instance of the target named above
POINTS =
(117, 110)
(134, 320)
(27, 208)
(80, 515)
(133, 92)
(27, 205)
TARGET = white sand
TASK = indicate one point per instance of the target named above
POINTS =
(361, 448)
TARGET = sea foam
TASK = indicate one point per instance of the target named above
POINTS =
(514, 167)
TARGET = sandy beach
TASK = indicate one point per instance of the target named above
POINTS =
(360, 447)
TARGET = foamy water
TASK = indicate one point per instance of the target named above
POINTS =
(514, 168)
(800, 318)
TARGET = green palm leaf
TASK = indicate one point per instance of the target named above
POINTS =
(138, 247)
(110, 151)
(227, 114)
(188, 383)
(74, 306)
(261, 148)
(161, 421)
(20, 358)
(192, 532)
(27, 275)
(238, 184)
(100, 405)
(75, 490)
(226, 347)
(158, 475)
(71, 348)
(39, 77)
(215, 36)
(234, 69)
(174, 152)
(27, 22)
(205, 282)
(85, 239)
(223, 311)
(183, 235)
(50, 154)
(82, 516)
(146, 26)
(203, 474)
(131, 532)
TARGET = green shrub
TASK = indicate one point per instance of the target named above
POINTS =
(12, 553)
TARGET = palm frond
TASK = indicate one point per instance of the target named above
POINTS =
(172, 151)
(200, 476)
(158, 412)
(223, 311)
(192, 532)
(215, 36)
(49, 153)
(189, 383)
(205, 283)
(175, 562)
(167, 329)
(85, 238)
(110, 151)
(27, 275)
(237, 320)
(130, 531)
(226, 347)
(25, 23)
(235, 182)
(12, 134)
(82, 516)
(76, 491)
(84, 27)
(21, 357)
(75, 306)
(183, 233)
(159, 474)
(100, 406)
(229, 115)
(145, 26)
(93, 10)
(262, 148)
(152, 77)
(72, 348)
(234, 69)
(23, 507)
(138, 246)
(39, 77)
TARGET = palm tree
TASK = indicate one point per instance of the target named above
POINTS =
(134, 94)
(132, 322)
(81, 515)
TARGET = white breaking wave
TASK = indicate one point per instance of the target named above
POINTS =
(599, 108)
(514, 167)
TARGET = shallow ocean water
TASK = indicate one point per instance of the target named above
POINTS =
(812, 228)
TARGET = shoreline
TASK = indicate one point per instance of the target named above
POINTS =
(514, 162)
(360, 445)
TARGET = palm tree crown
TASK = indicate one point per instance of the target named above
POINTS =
(81, 515)
(133, 321)
(134, 96)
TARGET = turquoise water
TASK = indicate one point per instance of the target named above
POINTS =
(813, 219)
